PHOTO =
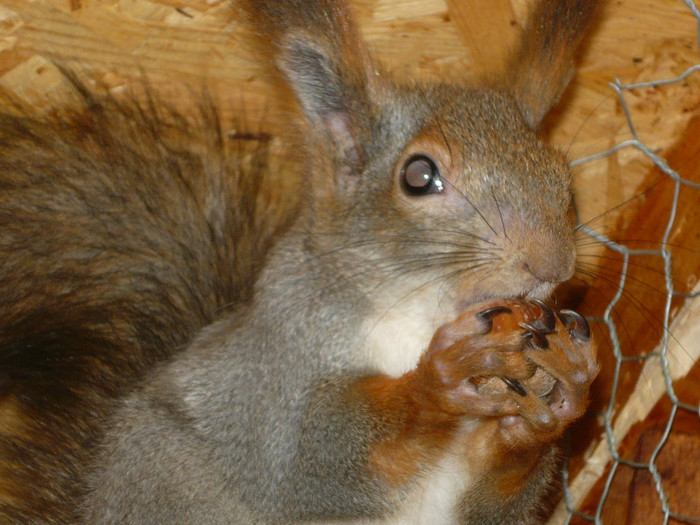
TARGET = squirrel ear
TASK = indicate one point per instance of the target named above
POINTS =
(317, 48)
(539, 72)
(332, 95)
(314, 78)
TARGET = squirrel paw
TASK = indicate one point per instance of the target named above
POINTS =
(514, 360)
(567, 355)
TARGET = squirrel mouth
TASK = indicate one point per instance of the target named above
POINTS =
(541, 292)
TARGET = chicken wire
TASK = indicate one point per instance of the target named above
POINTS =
(613, 434)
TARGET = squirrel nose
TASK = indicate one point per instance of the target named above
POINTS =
(549, 265)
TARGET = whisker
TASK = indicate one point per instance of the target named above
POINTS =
(498, 207)
(642, 193)
(635, 264)
(646, 313)
(607, 97)
(396, 268)
(628, 241)
(464, 196)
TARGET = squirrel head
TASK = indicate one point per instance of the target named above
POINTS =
(442, 185)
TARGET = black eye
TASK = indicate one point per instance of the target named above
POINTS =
(421, 176)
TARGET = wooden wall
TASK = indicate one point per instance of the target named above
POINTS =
(175, 42)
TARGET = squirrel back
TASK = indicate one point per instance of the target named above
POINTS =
(148, 380)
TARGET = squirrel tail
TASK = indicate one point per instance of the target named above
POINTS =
(125, 227)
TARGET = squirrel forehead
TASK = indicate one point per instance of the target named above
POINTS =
(477, 123)
(482, 131)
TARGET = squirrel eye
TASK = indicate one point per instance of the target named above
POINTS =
(420, 176)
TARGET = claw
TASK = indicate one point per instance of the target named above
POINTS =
(515, 385)
(580, 329)
(535, 334)
(546, 322)
(487, 315)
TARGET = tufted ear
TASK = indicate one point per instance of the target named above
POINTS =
(323, 60)
(543, 65)
(332, 96)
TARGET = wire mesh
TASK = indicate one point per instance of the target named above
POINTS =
(657, 362)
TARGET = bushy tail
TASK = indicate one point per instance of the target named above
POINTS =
(124, 228)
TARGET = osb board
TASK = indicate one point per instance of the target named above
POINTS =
(193, 42)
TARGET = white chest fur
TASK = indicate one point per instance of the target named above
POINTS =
(393, 340)
(435, 498)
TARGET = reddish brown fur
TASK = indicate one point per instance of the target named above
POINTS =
(417, 431)
(423, 409)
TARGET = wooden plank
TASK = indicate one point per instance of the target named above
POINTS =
(488, 28)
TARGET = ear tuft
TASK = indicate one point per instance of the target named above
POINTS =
(313, 77)
(332, 101)
(543, 66)
(317, 48)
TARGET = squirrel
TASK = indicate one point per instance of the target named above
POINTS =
(176, 347)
